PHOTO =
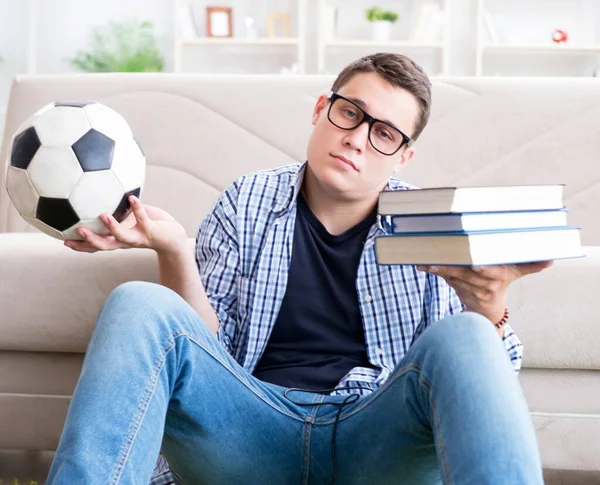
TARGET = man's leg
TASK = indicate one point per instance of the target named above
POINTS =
(153, 367)
(453, 410)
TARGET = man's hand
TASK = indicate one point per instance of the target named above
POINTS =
(483, 289)
(146, 227)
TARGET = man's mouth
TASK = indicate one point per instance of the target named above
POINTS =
(345, 160)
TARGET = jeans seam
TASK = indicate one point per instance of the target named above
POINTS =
(232, 371)
(139, 416)
(426, 386)
(311, 420)
(306, 452)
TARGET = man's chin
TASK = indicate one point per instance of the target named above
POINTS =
(335, 182)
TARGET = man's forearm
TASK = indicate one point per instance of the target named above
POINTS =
(179, 272)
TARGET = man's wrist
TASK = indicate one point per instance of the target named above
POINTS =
(175, 250)
(174, 254)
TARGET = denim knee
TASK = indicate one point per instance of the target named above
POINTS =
(131, 303)
(134, 290)
(465, 335)
(137, 293)
(139, 307)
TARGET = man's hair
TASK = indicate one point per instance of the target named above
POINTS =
(398, 70)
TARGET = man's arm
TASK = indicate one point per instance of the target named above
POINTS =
(178, 271)
(207, 279)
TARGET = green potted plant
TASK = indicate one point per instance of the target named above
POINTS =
(127, 46)
(382, 21)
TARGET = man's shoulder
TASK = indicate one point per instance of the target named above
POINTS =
(397, 184)
(262, 189)
(275, 176)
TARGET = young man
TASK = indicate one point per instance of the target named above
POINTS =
(284, 354)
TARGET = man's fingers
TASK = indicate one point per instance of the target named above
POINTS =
(530, 268)
(457, 272)
(80, 246)
(140, 213)
(118, 231)
(463, 287)
(104, 243)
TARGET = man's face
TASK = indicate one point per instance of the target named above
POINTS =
(344, 161)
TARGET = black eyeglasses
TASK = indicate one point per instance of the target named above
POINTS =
(383, 137)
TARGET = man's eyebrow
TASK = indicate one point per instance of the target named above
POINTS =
(364, 106)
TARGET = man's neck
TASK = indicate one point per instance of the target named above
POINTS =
(336, 214)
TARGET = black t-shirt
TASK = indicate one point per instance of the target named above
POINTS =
(318, 336)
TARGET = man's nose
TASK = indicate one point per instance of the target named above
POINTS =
(358, 138)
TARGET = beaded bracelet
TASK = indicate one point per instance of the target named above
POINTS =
(501, 323)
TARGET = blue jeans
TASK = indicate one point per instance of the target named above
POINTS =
(155, 378)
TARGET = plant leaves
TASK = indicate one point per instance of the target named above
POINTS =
(126, 46)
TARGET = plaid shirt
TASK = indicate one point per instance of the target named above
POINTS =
(243, 252)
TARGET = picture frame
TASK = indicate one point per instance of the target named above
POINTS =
(278, 25)
(219, 22)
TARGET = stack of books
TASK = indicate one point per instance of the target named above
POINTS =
(470, 226)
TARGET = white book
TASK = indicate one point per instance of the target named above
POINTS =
(479, 221)
(479, 248)
(440, 200)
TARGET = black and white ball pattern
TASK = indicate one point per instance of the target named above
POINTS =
(71, 162)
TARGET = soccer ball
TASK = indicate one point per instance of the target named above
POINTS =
(71, 162)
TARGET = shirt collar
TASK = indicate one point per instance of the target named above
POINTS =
(287, 197)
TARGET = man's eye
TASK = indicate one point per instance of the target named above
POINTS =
(386, 135)
(350, 113)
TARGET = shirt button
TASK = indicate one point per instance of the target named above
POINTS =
(379, 351)
(368, 298)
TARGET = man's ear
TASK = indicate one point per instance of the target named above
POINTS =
(405, 157)
(319, 107)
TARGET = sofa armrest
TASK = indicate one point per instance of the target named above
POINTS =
(555, 314)
(50, 295)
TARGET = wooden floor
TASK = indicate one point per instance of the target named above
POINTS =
(34, 466)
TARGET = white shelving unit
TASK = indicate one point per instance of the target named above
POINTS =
(181, 44)
(510, 51)
(440, 49)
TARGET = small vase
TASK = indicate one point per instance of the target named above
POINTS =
(381, 30)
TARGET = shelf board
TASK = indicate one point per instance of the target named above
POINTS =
(573, 48)
(390, 43)
(240, 41)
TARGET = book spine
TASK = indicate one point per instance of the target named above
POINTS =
(467, 233)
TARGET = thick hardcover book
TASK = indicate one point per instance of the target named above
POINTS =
(479, 248)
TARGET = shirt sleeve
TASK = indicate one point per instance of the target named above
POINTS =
(513, 346)
(217, 257)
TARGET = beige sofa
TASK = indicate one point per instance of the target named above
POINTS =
(200, 132)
